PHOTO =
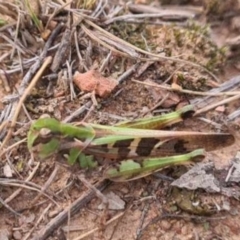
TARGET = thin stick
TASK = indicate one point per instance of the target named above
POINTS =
(92, 35)
(147, 15)
(14, 194)
(38, 221)
(62, 216)
(29, 188)
(78, 112)
(93, 188)
(47, 61)
(56, 11)
(33, 69)
(230, 99)
(96, 229)
(158, 104)
(113, 37)
(8, 207)
(46, 184)
(189, 91)
(3, 125)
(143, 217)
(13, 146)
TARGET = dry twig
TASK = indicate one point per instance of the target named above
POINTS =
(22, 99)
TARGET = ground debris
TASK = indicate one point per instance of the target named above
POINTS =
(94, 81)
(198, 177)
(234, 171)
(115, 202)
(204, 176)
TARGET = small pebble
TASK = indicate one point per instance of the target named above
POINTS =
(166, 225)
(53, 213)
(17, 235)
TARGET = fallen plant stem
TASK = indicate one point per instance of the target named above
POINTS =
(3, 203)
(27, 187)
(13, 145)
(96, 229)
(92, 36)
(144, 16)
(56, 11)
(33, 69)
(214, 105)
(190, 91)
(46, 184)
(47, 61)
(62, 217)
(14, 194)
(78, 112)
(3, 125)
(113, 37)
(38, 221)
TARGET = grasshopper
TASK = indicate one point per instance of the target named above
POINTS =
(127, 151)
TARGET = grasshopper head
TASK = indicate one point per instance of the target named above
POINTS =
(42, 138)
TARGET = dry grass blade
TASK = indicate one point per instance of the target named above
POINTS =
(14, 45)
(45, 232)
(164, 14)
(232, 93)
(92, 36)
(187, 10)
(151, 55)
(44, 213)
(25, 185)
(212, 106)
(87, 234)
(22, 99)
(8, 207)
(46, 185)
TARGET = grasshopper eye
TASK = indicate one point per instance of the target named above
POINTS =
(44, 132)
(44, 136)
